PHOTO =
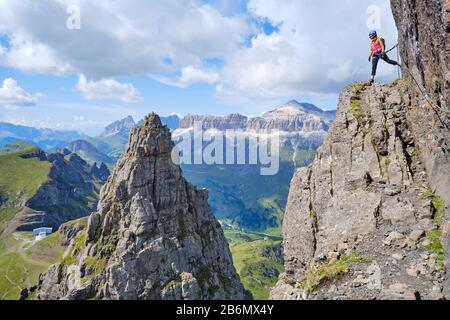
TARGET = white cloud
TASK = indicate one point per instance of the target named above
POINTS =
(116, 38)
(108, 89)
(316, 49)
(12, 95)
(190, 75)
(25, 54)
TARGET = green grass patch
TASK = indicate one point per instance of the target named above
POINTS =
(319, 273)
(16, 273)
(355, 108)
(98, 264)
(438, 204)
(78, 245)
(427, 193)
(434, 236)
(355, 101)
(6, 214)
(16, 146)
(69, 260)
(170, 284)
(20, 178)
(22, 261)
(48, 249)
(272, 205)
(82, 222)
(435, 245)
(80, 241)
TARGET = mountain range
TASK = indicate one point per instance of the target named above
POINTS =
(367, 216)
(291, 117)
(47, 139)
(233, 197)
(302, 127)
(251, 217)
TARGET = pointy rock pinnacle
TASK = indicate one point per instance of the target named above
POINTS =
(153, 236)
(149, 139)
(153, 120)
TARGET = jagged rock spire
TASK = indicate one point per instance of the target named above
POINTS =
(152, 237)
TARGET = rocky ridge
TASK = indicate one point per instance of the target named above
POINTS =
(366, 197)
(152, 237)
(292, 117)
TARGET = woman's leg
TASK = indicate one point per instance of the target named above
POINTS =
(386, 58)
(375, 60)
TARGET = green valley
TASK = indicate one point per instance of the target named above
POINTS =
(20, 265)
(258, 260)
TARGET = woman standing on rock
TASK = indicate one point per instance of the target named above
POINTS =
(377, 52)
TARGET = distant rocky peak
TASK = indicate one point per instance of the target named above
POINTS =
(294, 107)
(122, 127)
(100, 172)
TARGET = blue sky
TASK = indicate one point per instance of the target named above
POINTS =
(205, 57)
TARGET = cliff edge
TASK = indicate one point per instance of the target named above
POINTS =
(369, 218)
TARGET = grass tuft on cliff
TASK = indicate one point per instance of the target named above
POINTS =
(319, 273)
(355, 101)
(434, 236)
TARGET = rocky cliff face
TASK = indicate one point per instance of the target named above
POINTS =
(368, 219)
(424, 28)
(153, 236)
